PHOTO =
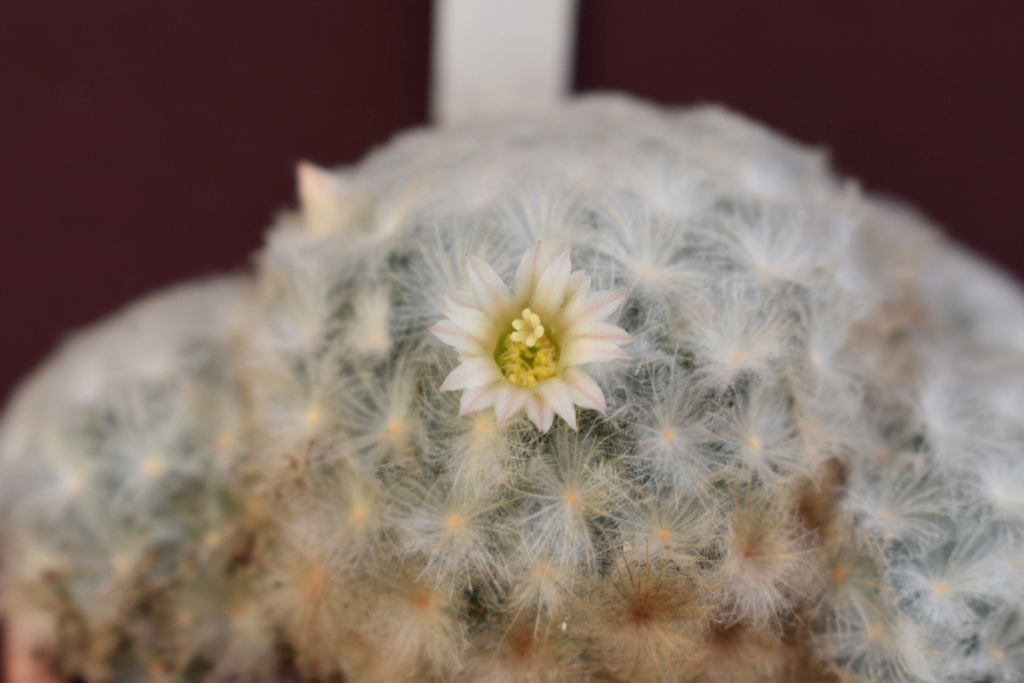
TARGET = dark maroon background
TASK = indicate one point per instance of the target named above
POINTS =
(142, 143)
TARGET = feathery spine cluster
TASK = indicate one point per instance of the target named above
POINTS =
(350, 464)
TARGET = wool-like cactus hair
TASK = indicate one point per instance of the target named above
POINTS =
(610, 393)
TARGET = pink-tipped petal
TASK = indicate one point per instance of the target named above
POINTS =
(453, 335)
(477, 398)
(472, 321)
(590, 310)
(584, 390)
(556, 394)
(509, 401)
(472, 372)
(579, 287)
(540, 413)
(488, 288)
(608, 333)
(530, 268)
(456, 297)
(551, 287)
(584, 350)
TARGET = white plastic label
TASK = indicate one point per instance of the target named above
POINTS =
(494, 57)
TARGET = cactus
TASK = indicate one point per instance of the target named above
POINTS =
(609, 394)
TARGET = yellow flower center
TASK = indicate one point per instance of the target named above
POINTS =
(526, 354)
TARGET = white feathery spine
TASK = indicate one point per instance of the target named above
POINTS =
(802, 461)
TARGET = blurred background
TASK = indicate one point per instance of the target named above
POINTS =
(143, 143)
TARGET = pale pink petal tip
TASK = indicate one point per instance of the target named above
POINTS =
(447, 331)
(540, 413)
(553, 283)
(585, 392)
(597, 307)
(509, 401)
(530, 268)
(456, 297)
(584, 350)
(472, 372)
(489, 289)
(610, 334)
(476, 398)
(556, 394)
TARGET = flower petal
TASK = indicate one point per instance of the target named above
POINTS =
(453, 335)
(472, 321)
(584, 390)
(509, 401)
(556, 394)
(535, 260)
(457, 297)
(606, 332)
(491, 292)
(579, 286)
(539, 412)
(472, 372)
(585, 350)
(477, 398)
(584, 313)
(550, 291)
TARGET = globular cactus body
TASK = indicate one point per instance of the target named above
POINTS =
(607, 394)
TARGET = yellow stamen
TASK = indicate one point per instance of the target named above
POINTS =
(527, 329)
(527, 355)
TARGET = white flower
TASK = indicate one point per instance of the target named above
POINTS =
(524, 348)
